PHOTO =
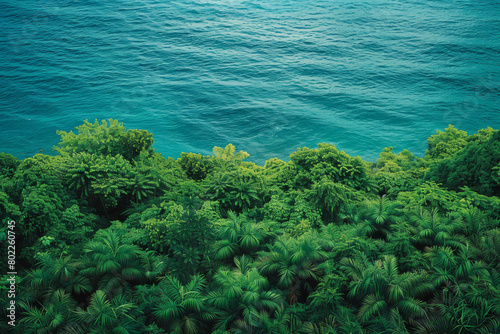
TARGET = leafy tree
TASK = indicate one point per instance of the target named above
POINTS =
(75, 227)
(468, 198)
(473, 166)
(189, 236)
(167, 172)
(402, 161)
(428, 195)
(328, 196)
(302, 210)
(278, 209)
(154, 221)
(111, 184)
(35, 197)
(328, 162)
(133, 142)
(102, 139)
(8, 164)
(273, 167)
(445, 144)
(196, 166)
(8, 209)
(106, 180)
(80, 176)
(41, 209)
(398, 172)
(328, 294)
(182, 233)
(227, 158)
(496, 173)
(239, 189)
(40, 169)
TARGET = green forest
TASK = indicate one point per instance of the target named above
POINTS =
(112, 237)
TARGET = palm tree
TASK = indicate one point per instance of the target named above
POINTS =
(183, 308)
(103, 316)
(113, 266)
(473, 314)
(383, 291)
(467, 295)
(466, 305)
(54, 315)
(295, 265)
(78, 168)
(55, 274)
(379, 217)
(142, 183)
(237, 236)
(489, 249)
(431, 228)
(242, 297)
(474, 223)
(66, 272)
(218, 185)
(243, 195)
(452, 270)
(153, 265)
(351, 214)
(326, 326)
(279, 323)
(401, 244)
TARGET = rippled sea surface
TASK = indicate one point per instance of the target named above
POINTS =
(268, 76)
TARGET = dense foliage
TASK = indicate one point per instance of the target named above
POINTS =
(111, 237)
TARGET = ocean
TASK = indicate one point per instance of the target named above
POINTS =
(268, 76)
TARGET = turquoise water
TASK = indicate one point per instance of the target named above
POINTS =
(268, 76)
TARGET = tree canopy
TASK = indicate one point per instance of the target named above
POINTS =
(112, 237)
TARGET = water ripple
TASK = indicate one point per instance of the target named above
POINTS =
(268, 76)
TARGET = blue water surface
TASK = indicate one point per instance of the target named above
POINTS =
(268, 76)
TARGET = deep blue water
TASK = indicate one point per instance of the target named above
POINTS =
(268, 76)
